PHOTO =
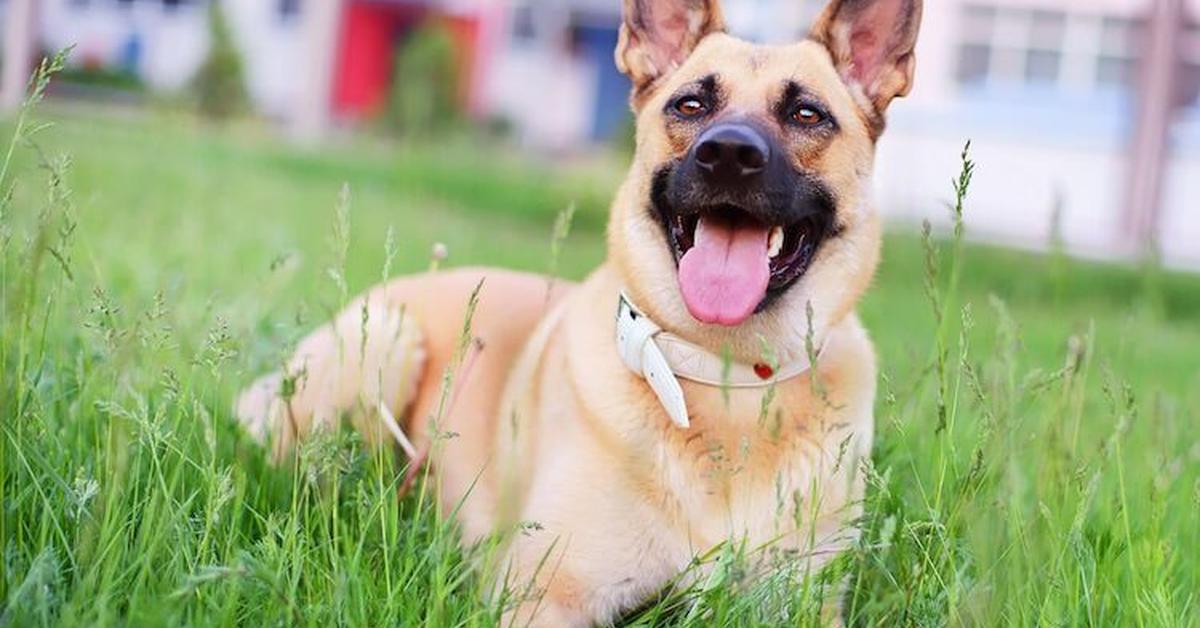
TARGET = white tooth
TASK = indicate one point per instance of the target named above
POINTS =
(775, 242)
(699, 231)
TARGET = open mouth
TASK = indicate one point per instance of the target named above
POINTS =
(790, 249)
(732, 264)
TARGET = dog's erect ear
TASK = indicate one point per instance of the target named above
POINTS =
(872, 43)
(658, 35)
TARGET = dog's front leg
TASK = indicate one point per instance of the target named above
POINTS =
(586, 553)
(553, 586)
(546, 612)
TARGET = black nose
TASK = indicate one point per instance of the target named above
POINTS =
(731, 153)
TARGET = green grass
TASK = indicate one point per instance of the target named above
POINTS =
(172, 262)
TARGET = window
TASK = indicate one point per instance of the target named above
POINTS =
(1190, 81)
(1043, 59)
(1116, 72)
(979, 22)
(975, 52)
(973, 63)
(524, 26)
(1190, 85)
(1011, 46)
(1015, 47)
(288, 9)
(1116, 65)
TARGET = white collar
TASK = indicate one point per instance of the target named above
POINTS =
(662, 359)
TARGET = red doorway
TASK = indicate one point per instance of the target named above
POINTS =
(370, 33)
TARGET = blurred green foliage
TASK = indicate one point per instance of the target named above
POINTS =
(220, 84)
(102, 77)
(424, 98)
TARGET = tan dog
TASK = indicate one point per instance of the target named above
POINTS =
(743, 238)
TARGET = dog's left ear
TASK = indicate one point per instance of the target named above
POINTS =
(658, 35)
(872, 43)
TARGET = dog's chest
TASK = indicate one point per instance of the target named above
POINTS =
(757, 468)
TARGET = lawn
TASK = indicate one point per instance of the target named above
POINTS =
(1038, 447)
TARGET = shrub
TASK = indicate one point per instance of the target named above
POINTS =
(425, 78)
(219, 84)
(101, 77)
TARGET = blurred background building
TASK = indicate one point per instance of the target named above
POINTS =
(1084, 114)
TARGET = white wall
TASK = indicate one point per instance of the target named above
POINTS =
(173, 42)
(549, 97)
(1017, 186)
(1179, 233)
(1015, 192)
(272, 53)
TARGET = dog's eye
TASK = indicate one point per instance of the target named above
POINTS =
(690, 107)
(807, 116)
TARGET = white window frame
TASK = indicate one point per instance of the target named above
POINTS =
(1011, 40)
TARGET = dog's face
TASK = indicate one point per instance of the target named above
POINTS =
(749, 196)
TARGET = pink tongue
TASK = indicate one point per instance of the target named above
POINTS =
(724, 276)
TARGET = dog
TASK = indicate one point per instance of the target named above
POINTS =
(709, 382)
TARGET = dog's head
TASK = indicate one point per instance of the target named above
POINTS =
(749, 196)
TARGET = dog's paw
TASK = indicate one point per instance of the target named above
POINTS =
(256, 406)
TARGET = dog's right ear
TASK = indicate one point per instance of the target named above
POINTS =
(658, 35)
